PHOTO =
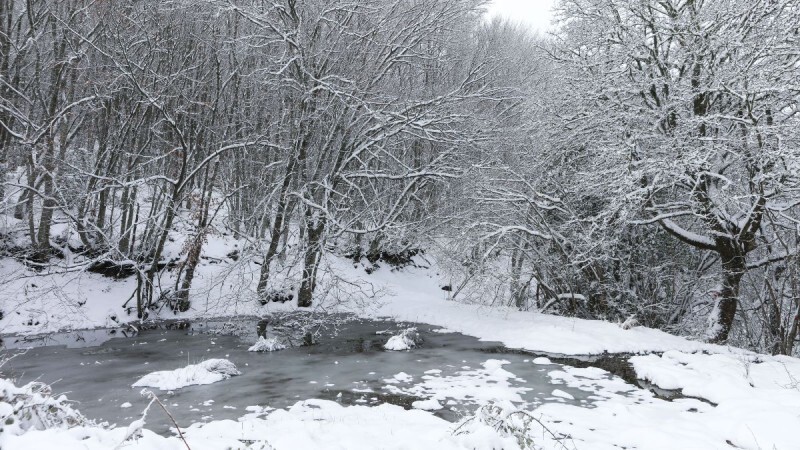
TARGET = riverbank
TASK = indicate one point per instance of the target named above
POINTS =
(734, 398)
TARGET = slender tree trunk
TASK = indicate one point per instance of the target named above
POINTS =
(311, 260)
(793, 331)
(123, 244)
(20, 208)
(48, 202)
(6, 30)
(171, 211)
(196, 248)
(794, 325)
(277, 229)
(128, 217)
(516, 286)
(29, 201)
(172, 207)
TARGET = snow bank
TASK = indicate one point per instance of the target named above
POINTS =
(624, 416)
(416, 297)
(266, 345)
(32, 407)
(310, 424)
(759, 405)
(321, 424)
(757, 397)
(206, 372)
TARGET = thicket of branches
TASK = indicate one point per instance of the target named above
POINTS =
(642, 161)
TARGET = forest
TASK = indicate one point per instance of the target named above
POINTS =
(639, 163)
(399, 224)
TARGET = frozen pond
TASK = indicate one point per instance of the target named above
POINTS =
(96, 370)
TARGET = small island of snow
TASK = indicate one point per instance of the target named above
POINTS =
(266, 345)
(206, 372)
(406, 340)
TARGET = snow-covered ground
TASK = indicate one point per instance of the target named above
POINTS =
(734, 398)
(309, 424)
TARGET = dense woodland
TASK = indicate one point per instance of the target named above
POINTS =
(638, 163)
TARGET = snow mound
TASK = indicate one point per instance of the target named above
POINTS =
(206, 372)
(406, 340)
(266, 345)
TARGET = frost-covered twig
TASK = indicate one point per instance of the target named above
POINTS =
(154, 398)
(501, 420)
(33, 407)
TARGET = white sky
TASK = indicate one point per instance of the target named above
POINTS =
(535, 13)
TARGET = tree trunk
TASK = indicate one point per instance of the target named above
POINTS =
(193, 257)
(29, 202)
(6, 31)
(517, 290)
(794, 326)
(775, 331)
(21, 208)
(153, 269)
(277, 229)
(311, 263)
(48, 206)
(793, 331)
(128, 217)
(733, 268)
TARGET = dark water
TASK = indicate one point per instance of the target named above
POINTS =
(96, 369)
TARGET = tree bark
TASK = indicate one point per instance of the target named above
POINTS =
(313, 253)
(193, 256)
(733, 268)
(277, 229)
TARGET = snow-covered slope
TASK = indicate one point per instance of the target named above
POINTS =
(415, 296)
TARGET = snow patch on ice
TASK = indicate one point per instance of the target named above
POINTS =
(427, 405)
(562, 394)
(401, 377)
(471, 386)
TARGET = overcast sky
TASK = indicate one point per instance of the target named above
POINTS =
(535, 13)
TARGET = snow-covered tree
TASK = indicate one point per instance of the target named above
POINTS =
(687, 110)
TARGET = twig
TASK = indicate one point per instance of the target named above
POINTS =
(154, 397)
